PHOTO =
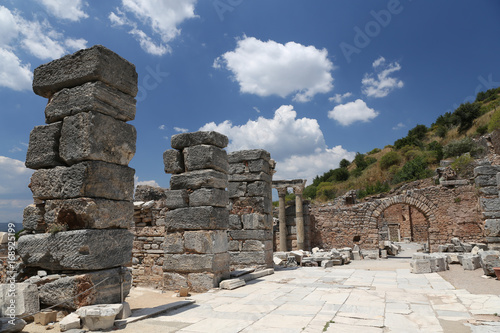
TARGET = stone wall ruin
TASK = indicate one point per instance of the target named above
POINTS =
(77, 228)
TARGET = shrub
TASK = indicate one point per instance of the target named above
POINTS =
(413, 170)
(494, 121)
(462, 146)
(360, 161)
(370, 160)
(389, 159)
(310, 192)
(344, 163)
(466, 113)
(481, 130)
(326, 191)
(339, 175)
(370, 189)
(463, 165)
(374, 151)
(441, 131)
(436, 148)
(356, 172)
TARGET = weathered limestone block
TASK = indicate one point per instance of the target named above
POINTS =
(209, 197)
(471, 262)
(94, 136)
(93, 64)
(66, 288)
(91, 96)
(202, 282)
(24, 297)
(148, 192)
(248, 155)
(489, 259)
(250, 177)
(195, 263)
(259, 189)
(77, 249)
(420, 266)
(197, 218)
(174, 281)
(177, 199)
(205, 241)
(93, 179)
(235, 222)
(71, 321)
(249, 258)
(255, 245)
(205, 157)
(486, 170)
(258, 204)
(43, 149)
(197, 179)
(485, 180)
(232, 284)
(492, 228)
(237, 189)
(88, 213)
(174, 242)
(33, 218)
(255, 221)
(261, 235)
(173, 161)
(183, 140)
(15, 325)
(99, 317)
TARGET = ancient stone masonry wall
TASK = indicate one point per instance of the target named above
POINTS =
(149, 230)
(250, 220)
(291, 228)
(449, 211)
(487, 178)
(196, 247)
(82, 186)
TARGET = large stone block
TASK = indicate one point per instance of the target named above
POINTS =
(91, 96)
(248, 155)
(205, 157)
(197, 218)
(205, 241)
(237, 189)
(23, 297)
(93, 179)
(183, 140)
(177, 199)
(197, 179)
(255, 221)
(471, 262)
(174, 242)
(77, 249)
(88, 213)
(195, 263)
(33, 218)
(97, 137)
(489, 259)
(490, 205)
(235, 222)
(485, 180)
(66, 289)
(203, 282)
(257, 204)
(148, 193)
(99, 317)
(93, 64)
(491, 170)
(261, 235)
(255, 245)
(173, 160)
(248, 258)
(174, 281)
(209, 197)
(259, 189)
(43, 149)
(250, 177)
(492, 228)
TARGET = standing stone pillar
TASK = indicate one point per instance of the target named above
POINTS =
(299, 217)
(282, 218)
(196, 247)
(251, 223)
(82, 186)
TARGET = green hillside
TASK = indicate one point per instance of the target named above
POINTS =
(416, 155)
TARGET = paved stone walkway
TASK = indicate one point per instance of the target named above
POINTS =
(334, 300)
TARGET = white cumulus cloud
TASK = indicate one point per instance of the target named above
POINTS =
(383, 83)
(14, 74)
(297, 144)
(162, 17)
(351, 112)
(338, 98)
(14, 191)
(65, 9)
(180, 130)
(270, 68)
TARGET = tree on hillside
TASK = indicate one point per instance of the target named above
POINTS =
(344, 163)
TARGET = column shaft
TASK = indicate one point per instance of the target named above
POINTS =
(282, 218)
(299, 220)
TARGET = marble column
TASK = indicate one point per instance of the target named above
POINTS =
(299, 217)
(282, 217)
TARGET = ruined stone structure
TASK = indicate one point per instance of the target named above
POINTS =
(82, 186)
(196, 246)
(250, 220)
(298, 187)
(487, 179)
(448, 211)
(291, 229)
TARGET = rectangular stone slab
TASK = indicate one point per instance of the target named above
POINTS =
(97, 137)
(93, 64)
(192, 263)
(173, 160)
(33, 218)
(89, 213)
(43, 149)
(77, 249)
(197, 218)
(66, 288)
(91, 96)
(205, 241)
(248, 155)
(92, 179)
(197, 179)
(209, 197)
(205, 157)
(183, 140)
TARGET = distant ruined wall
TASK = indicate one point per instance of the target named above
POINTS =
(291, 227)
(448, 211)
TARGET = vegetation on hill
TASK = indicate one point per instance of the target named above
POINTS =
(416, 155)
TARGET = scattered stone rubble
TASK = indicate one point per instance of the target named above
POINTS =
(196, 246)
(316, 258)
(76, 231)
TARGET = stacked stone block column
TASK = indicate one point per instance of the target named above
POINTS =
(251, 223)
(196, 247)
(82, 186)
(487, 179)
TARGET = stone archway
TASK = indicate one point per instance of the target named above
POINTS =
(420, 202)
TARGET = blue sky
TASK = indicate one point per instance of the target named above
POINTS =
(312, 82)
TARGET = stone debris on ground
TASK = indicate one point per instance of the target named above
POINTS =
(317, 257)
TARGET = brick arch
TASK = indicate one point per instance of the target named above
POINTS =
(420, 202)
